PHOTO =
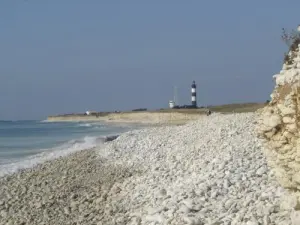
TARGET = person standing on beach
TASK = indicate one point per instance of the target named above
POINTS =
(208, 112)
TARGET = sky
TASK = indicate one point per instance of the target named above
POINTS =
(71, 56)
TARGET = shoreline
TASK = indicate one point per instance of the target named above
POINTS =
(163, 175)
(42, 157)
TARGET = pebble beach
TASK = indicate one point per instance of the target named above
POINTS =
(210, 171)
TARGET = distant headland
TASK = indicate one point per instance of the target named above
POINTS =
(178, 114)
(161, 116)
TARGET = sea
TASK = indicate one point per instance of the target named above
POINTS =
(24, 144)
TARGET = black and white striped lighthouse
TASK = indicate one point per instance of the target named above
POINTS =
(194, 95)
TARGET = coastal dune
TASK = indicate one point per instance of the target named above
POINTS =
(209, 171)
(134, 117)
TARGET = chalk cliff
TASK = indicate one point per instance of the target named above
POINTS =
(279, 125)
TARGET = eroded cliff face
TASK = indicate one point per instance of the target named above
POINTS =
(279, 125)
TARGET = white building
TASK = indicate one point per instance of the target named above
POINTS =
(171, 104)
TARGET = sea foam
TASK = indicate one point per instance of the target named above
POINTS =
(65, 149)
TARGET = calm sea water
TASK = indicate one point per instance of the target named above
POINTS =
(24, 144)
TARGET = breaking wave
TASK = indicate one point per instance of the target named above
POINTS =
(44, 155)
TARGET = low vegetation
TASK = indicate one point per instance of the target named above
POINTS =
(292, 40)
(227, 108)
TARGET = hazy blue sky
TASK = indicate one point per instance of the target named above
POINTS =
(64, 56)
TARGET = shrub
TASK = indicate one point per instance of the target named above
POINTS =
(138, 110)
(292, 39)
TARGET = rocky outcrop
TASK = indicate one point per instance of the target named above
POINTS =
(279, 125)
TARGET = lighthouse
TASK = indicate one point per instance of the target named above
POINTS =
(194, 95)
